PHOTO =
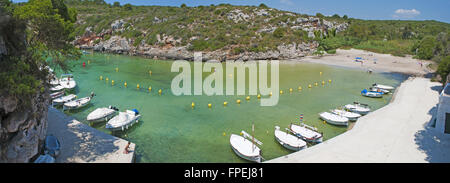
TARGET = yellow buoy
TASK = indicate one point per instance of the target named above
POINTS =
(89, 61)
(270, 94)
(117, 69)
(193, 104)
(106, 80)
(160, 91)
(101, 77)
(125, 84)
(324, 122)
(137, 86)
(259, 96)
(323, 82)
(247, 98)
(329, 80)
(112, 82)
(238, 101)
(225, 103)
(315, 84)
(299, 88)
(150, 89)
(241, 133)
(224, 134)
(209, 105)
(290, 90)
(309, 86)
(320, 73)
(150, 72)
(281, 91)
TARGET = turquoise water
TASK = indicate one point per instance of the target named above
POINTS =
(170, 130)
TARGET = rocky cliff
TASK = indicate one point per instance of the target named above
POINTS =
(259, 25)
(22, 130)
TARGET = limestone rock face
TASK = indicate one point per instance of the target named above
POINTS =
(22, 129)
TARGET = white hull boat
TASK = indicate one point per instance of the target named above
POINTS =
(123, 121)
(306, 133)
(379, 90)
(289, 141)
(334, 119)
(245, 148)
(101, 114)
(56, 94)
(358, 108)
(54, 81)
(350, 115)
(63, 99)
(67, 83)
(56, 88)
(76, 104)
(384, 87)
(371, 94)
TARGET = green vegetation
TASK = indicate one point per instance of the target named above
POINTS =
(33, 32)
(207, 28)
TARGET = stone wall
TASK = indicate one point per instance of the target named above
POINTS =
(22, 129)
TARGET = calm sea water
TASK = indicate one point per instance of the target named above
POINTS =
(170, 130)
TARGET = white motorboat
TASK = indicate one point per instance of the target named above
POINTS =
(385, 87)
(56, 88)
(101, 114)
(245, 148)
(63, 99)
(383, 91)
(350, 115)
(57, 94)
(307, 133)
(358, 108)
(124, 120)
(67, 81)
(76, 104)
(334, 119)
(371, 94)
(54, 81)
(289, 141)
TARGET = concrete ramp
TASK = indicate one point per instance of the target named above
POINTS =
(81, 143)
(398, 132)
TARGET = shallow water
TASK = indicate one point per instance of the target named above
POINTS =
(170, 130)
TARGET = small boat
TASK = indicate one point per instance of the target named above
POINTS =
(57, 94)
(45, 159)
(383, 91)
(385, 87)
(123, 120)
(334, 119)
(289, 141)
(56, 88)
(63, 99)
(371, 94)
(358, 108)
(76, 104)
(245, 148)
(307, 133)
(350, 115)
(52, 146)
(54, 81)
(67, 81)
(101, 114)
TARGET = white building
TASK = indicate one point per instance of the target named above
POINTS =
(443, 111)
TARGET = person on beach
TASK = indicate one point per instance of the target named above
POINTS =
(126, 151)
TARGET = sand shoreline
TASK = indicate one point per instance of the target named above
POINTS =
(371, 61)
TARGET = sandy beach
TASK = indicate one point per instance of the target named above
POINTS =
(372, 61)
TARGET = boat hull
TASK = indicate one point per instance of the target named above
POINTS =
(316, 139)
(334, 122)
(124, 127)
(287, 146)
(256, 159)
